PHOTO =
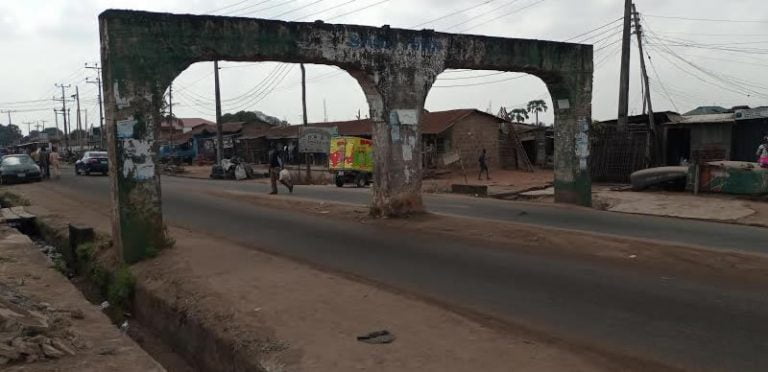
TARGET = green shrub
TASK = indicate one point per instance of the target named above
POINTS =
(121, 288)
(85, 252)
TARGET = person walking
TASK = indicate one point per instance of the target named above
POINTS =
(54, 161)
(762, 153)
(483, 166)
(276, 164)
(44, 163)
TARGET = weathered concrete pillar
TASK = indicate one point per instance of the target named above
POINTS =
(572, 98)
(132, 113)
(396, 98)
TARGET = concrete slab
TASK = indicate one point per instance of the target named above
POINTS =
(675, 205)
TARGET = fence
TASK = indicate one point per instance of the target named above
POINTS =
(616, 155)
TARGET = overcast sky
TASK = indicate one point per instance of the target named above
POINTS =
(716, 57)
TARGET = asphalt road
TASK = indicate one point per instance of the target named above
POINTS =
(680, 231)
(674, 321)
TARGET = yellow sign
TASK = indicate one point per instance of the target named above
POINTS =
(351, 153)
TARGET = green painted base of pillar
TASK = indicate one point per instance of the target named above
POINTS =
(141, 238)
(578, 192)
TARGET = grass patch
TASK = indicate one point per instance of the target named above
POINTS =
(120, 292)
(85, 253)
(60, 265)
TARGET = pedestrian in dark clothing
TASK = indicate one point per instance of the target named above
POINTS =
(483, 166)
(276, 164)
(45, 168)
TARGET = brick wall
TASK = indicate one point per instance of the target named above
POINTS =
(477, 131)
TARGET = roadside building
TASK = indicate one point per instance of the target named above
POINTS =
(700, 138)
(448, 134)
(751, 126)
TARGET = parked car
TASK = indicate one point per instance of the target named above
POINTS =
(92, 162)
(19, 168)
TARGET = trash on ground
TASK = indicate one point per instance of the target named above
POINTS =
(377, 337)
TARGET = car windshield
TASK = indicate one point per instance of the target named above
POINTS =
(18, 160)
(99, 154)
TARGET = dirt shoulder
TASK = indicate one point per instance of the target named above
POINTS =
(47, 324)
(294, 317)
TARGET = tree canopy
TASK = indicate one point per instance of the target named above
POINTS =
(9, 134)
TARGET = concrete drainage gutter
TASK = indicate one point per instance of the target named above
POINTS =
(203, 346)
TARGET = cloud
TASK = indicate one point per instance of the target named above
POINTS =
(48, 42)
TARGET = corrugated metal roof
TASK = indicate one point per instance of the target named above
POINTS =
(707, 110)
(706, 119)
(756, 113)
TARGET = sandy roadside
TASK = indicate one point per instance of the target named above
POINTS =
(37, 291)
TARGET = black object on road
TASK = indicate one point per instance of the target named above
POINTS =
(378, 337)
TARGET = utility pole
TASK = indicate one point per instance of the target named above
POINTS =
(101, 109)
(653, 148)
(624, 76)
(325, 112)
(79, 122)
(56, 120)
(304, 114)
(9, 115)
(87, 130)
(64, 113)
(170, 113)
(29, 130)
(219, 137)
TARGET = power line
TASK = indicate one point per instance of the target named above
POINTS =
(474, 77)
(297, 9)
(454, 13)
(229, 6)
(707, 19)
(611, 32)
(231, 12)
(595, 29)
(483, 83)
(503, 15)
(325, 10)
(267, 8)
(470, 19)
(267, 89)
(664, 89)
(358, 10)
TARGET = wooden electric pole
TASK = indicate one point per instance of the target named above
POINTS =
(170, 115)
(624, 75)
(64, 114)
(79, 122)
(219, 136)
(9, 115)
(304, 112)
(653, 149)
(102, 135)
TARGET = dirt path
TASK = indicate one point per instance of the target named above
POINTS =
(308, 319)
(32, 291)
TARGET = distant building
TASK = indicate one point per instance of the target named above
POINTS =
(184, 125)
(459, 133)
(708, 133)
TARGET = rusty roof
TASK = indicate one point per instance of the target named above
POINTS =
(431, 123)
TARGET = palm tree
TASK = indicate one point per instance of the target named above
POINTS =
(537, 106)
(519, 115)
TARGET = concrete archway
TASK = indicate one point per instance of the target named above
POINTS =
(143, 52)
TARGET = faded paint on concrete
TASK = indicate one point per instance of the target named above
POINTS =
(143, 52)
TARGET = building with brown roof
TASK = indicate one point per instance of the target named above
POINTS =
(445, 134)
